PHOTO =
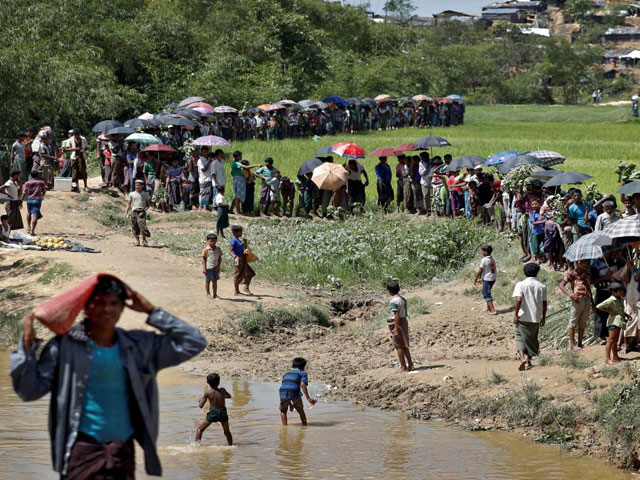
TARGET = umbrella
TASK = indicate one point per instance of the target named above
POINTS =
(545, 173)
(405, 147)
(382, 98)
(428, 142)
(454, 97)
(385, 152)
(171, 106)
(635, 98)
(585, 249)
(305, 103)
(309, 166)
(225, 109)
(330, 176)
(422, 98)
(548, 157)
(274, 107)
(328, 150)
(146, 116)
(337, 101)
(468, 161)
(188, 113)
(200, 104)
(630, 188)
(203, 110)
(369, 102)
(349, 150)
(211, 141)
(443, 100)
(355, 101)
(159, 148)
(120, 131)
(500, 157)
(567, 178)
(105, 125)
(288, 103)
(189, 101)
(178, 121)
(519, 161)
(254, 110)
(627, 227)
(138, 123)
(143, 138)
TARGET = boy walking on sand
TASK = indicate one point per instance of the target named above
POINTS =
(582, 302)
(487, 274)
(211, 260)
(293, 382)
(399, 327)
(217, 408)
(614, 306)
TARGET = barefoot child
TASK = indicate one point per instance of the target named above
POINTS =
(211, 257)
(581, 299)
(614, 306)
(290, 397)
(222, 207)
(399, 327)
(217, 411)
(243, 272)
(487, 274)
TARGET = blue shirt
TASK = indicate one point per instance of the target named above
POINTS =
(576, 212)
(105, 404)
(383, 172)
(237, 246)
(535, 217)
(290, 388)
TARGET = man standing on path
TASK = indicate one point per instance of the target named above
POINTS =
(205, 172)
(78, 147)
(530, 314)
(138, 202)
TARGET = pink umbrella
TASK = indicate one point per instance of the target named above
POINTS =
(211, 141)
(422, 98)
(385, 152)
(200, 104)
(349, 150)
(159, 148)
(274, 107)
(204, 110)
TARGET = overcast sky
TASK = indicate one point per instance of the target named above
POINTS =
(429, 7)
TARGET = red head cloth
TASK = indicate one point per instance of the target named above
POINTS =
(59, 313)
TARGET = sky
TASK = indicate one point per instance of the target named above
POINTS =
(426, 8)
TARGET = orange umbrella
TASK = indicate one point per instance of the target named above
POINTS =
(330, 176)
(264, 106)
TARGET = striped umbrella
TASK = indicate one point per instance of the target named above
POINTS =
(225, 109)
(585, 247)
(548, 157)
(627, 227)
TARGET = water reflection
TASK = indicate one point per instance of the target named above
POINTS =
(340, 442)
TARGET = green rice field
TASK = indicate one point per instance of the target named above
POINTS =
(594, 139)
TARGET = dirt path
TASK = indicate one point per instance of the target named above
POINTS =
(460, 350)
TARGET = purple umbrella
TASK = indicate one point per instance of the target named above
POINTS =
(225, 109)
(211, 141)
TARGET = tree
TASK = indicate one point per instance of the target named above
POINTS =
(400, 10)
(578, 10)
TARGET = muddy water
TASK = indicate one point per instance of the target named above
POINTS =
(341, 441)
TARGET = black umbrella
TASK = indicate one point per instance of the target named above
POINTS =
(567, 178)
(171, 106)
(188, 113)
(369, 102)
(630, 188)
(328, 150)
(355, 101)
(468, 161)
(120, 131)
(549, 173)
(309, 165)
(519, 161)
(138, 123)
(428, 142)
(189, 101)
(251, 111)
(177, 121)
(105, 125)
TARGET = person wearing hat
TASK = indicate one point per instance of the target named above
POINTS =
(614, 306)
(607, 217)
(138, 202)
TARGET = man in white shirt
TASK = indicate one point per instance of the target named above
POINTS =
(205, 173)
(78, 147)
(425, 169)
(530, 314)
(13, 189)
(219, 177)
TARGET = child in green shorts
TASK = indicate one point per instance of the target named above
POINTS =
(614, 306)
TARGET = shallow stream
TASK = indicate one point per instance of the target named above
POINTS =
(341, 441)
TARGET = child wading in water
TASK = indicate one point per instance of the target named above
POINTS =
(290, 397)
(211, 256)
(217, 410)
(399, 327)
(614, 306)
(487, 274)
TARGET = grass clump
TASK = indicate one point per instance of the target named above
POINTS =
(263, 321)
(60, 271)
(110, 214)
(571, 359)
(617, 412)
(496, 378)
(610, 372)
(418, 306)
(11, 325)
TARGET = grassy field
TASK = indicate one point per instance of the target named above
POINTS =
(594, 139)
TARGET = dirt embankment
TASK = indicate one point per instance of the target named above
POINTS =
(465, 358)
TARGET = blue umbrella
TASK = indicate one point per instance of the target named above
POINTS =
(328, 150)
(337, 101)
(500, 157)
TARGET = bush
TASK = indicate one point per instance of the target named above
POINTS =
(60, 271)
(263, 321)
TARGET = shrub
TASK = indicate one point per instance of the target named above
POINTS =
(262, 321)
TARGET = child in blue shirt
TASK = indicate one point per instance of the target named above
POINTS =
(536, 223)
(290, 397)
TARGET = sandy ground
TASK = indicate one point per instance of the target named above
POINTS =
(455, 345)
